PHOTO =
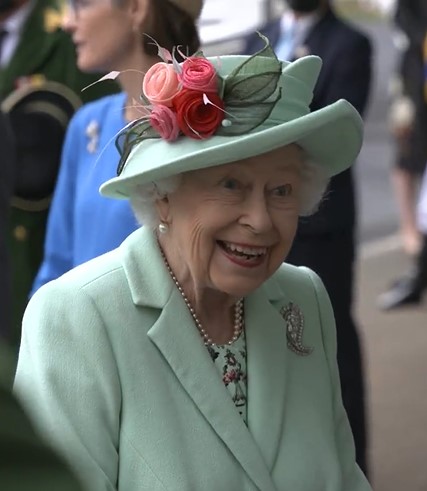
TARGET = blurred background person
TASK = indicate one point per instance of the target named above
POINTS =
(40, 88)
(325, 242)
(409, 289)
(408, 119)
(109, 36)
(408, 115)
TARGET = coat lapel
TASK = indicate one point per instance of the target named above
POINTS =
(179, 342)
(195, 370)
(267, 359)
(316, 39)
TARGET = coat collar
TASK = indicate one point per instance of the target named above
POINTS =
(317, 38)
(149, 281)
(256, 449)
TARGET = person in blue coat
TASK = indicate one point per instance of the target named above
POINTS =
(326, 241)
(107, 36)
(192, 357)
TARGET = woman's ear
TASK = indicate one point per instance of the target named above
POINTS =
(138, 10)
(164, 209)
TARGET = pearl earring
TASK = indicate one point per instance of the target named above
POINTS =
(163, 227)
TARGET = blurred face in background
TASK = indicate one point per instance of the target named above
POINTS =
(107, 34)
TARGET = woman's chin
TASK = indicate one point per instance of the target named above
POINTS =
(86, 66)
(237, 287)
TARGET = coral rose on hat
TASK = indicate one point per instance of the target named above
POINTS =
(229, 108)
(161, 84)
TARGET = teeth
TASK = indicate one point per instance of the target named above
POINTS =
(249, 251)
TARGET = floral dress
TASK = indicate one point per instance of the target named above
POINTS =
(230, 360)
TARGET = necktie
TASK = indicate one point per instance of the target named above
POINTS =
(286, 45)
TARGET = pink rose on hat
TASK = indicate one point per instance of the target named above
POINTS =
(161, 84)
(199, 74)
(164, 121)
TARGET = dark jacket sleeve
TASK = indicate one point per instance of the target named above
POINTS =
(411, 18)
(351, 75)
(346, 74)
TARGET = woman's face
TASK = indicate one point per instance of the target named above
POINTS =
(231, 226)
(105, 33)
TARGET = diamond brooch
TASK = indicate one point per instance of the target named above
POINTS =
(294, 321)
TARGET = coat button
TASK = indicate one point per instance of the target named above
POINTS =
(20, 233)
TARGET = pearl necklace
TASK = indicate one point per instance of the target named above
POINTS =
(238, 311)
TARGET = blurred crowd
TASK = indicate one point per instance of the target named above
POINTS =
(57, 129)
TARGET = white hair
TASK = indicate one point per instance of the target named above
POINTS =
(143, 197)
(315, 181)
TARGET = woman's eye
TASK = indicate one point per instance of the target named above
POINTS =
(231, 184)
(284, 190)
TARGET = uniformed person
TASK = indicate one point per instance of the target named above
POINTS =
(40, 88)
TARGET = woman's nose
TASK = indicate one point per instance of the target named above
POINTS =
(257, 215)
(68, 19)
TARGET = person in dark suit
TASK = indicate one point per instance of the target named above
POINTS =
(6, 189)
(36, 53)
(325, 242)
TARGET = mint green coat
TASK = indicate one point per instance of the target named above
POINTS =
(113, 371)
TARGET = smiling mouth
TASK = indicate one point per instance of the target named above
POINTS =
(248, 253)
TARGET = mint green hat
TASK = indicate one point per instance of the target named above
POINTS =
(265, 105)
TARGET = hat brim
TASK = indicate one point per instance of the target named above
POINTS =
(331, 137)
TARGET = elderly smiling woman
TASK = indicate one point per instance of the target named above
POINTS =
(191, 357)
